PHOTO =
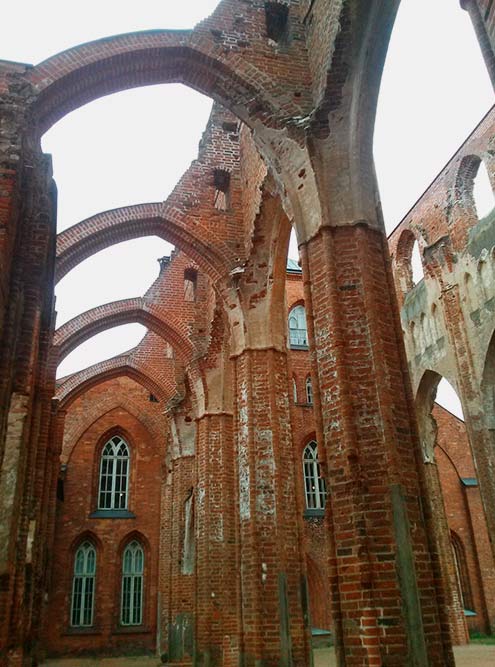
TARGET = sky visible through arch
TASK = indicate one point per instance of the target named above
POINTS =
(132, 147)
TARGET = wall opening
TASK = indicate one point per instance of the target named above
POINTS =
(484, 200)
(416, 264)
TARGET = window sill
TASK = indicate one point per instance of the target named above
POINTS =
(112, 514)
(92, 630)
(293, 346)
(131, 629)
(313, 514)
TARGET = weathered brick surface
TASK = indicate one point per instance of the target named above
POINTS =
(74, 523)
(448, 317)
(217, 479)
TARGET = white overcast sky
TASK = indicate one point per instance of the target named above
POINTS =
(133, 146)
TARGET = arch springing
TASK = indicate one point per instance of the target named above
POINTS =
(314, 485)
(114, 475)
(131, 609)
(83, 586)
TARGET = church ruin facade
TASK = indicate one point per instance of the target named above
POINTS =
(268, 461)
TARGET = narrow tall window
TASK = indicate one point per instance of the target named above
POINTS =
(314, 484)
(131, 612)
(221, 181)
(190, 283)
(309, 390)
(298, 333)
(462, 572)
(83, 586)
(114, 475)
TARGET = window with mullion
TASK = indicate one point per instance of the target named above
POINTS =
(83, 586)
(114, 475)
(314, 484)
(132, 585)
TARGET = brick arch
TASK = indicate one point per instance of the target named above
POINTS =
(75, 385)
(70, 79)
(91, 322)
(104, 406)
(105, 229)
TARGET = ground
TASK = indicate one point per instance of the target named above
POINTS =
(473, 655)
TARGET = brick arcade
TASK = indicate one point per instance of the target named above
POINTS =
(268, 467)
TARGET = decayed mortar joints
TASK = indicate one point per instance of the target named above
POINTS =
(216, 487)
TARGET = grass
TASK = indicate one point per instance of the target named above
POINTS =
(480, 638)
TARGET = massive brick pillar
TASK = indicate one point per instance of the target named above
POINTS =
(387, 607)
(175, 640)
(25, 393)
(275, 623)
(217, 573)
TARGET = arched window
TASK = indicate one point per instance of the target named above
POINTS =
(309, 390)
(462, 572)
(314, 484)
(114, 475)
(83, 586)
(131, 611)
(298, 333)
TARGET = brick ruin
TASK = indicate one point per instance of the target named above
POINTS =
(286, 470)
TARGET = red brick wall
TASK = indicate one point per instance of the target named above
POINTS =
(73, 522)
(465, 515)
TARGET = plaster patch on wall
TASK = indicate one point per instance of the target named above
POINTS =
(265, 473)
(243, 460)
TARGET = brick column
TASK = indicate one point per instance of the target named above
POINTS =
(217, 556)
(485, 39)
(176, 562)
(387, 606)
(275, 623)
(25, 384)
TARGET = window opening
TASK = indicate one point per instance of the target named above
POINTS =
(114, 475)
(314, 484)
(190, 284)
(221, 180)
(416, 264)
(132, 584)
(462, 573)
(298, 333)
(83, 586)
(309, 390)
(484, 199)
(277, 15)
